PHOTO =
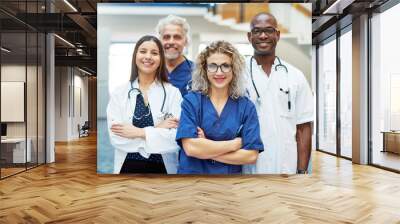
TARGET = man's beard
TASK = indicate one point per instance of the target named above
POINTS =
(264, 53)
(169, 55)
(172, 56)
(269, 52)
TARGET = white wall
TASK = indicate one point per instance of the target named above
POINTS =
(289, 51)
(61, 104)
(12, 73)
(292, 19)
(33, 125)
(79, 117)
(69, 82)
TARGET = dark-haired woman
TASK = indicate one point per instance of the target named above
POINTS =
(143, 114)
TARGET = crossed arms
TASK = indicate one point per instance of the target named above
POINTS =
(228, 151)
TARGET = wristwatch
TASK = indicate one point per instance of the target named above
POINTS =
(302, 172)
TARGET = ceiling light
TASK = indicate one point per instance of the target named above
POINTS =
(5, 50)
(337, 7)
(84, 71)
(65, 41)
(70, 5)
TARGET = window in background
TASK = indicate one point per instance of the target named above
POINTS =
(120, 64)
(346, 94)
(385, 84)
(327, 97)
(23, 68)
(119, 71)
(395, 102)
(15, 150)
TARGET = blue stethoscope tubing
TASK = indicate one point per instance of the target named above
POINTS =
(287, 92)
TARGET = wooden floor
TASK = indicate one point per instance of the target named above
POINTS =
(5, 172)
(387, 159)
(70, 191)
(10, 171)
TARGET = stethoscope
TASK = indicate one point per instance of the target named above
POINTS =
(164, 115)
(279, 65)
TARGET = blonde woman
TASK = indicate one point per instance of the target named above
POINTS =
(218, 130)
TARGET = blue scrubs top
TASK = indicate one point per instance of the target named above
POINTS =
(181, 76)
(238, 119)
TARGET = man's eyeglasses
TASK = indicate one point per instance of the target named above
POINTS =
(267, 30)
(212, 67)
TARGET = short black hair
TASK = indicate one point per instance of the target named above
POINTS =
(262, 14)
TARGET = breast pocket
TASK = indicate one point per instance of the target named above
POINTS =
(286, 99)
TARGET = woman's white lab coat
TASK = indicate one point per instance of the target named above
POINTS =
(158, 140)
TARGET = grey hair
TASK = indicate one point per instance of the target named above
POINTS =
(200, 83)
(174, 20)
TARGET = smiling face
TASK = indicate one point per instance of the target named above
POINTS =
(264, 34)
(148, 58)
(173, 40)
(219, 71)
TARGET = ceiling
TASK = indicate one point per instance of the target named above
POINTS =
(328, 16)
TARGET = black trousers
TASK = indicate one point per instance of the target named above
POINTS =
(141, 166)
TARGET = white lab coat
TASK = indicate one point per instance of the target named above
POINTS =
(277, 122)
(158, 140)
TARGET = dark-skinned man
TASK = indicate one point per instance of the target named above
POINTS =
(283, 100)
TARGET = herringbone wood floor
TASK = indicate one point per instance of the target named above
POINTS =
(70, 191)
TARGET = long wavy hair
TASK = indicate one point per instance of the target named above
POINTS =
(161, 73)
(200, 81)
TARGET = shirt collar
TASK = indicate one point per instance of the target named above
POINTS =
(181, 66)
(259, 67)
(153, 85)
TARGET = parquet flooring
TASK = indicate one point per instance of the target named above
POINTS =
(9, 171)
(70, 191)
